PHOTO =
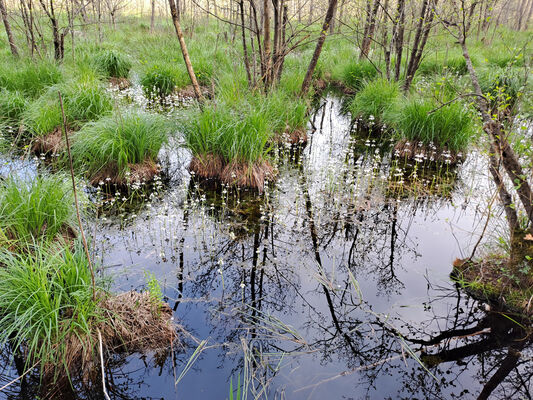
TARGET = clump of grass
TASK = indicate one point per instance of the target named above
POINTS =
(454, 63)
(112, 64)
(38, 210)
(287, 115)
(114, 146)
(31, 78)
(83, 101)
(158, 81)
(375, 100)
(45, 298)
(12, 105)
(355, 74)
(425, 121)
(231, 144)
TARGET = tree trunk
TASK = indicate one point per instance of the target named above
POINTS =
(318, 49)
(184, 51)
(10, 39)
(266, 43)
(244, 47)
(369, 29)
(398, 38)
(152, 17)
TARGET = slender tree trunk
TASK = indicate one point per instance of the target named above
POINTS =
(10, 39)
(244, 47)
(184, 51)
(267, 59)
(369, 30)
(398, 40)
(152, 17)
(318, 49)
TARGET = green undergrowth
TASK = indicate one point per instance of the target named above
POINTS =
(161, 80)
(112, 64)
(12, 106)
(29, 77)
(356, 74)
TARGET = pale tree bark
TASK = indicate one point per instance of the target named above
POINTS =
(266, 42)
(370, 26)
(184, 51)
(318, 49)
(10, 38)
(152, 17)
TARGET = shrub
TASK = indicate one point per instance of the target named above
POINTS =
(40, 209)
(501, 86)
(112, 64)
(355, 74)
(423, 121)
(12, 105)
(375, 100)
(114, 143)
(158, 81)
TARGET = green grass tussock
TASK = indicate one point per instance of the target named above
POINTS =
(115, 142)
(112, 64)
(355, 74)
(39, 210)
(29, 77)
(12, 105)
(83, 101)
(45, 298)
(159, 81)
(375, 100)
(448, 127)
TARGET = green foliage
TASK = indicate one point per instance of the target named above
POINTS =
(285, 112)
(375, 100)
(12, 105)
(83, 101)
(439, 64)
(29, 77)
(119, 140)
(40, 209)
(355, 74)
(158, 81)
(45, 298)
(154, 289)
(112, 64)
(426, 121)
(501, 86)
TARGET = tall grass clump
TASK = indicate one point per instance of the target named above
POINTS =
(120, 146)
(375, 101)
(231, 144)
(433, 65)
(112, 64)
(46, 300)
(12, 105)
(36, 210)
(287, 116)
(158, 81)
(447, 130)
(355, 74)
(30, 77)
(83, 101)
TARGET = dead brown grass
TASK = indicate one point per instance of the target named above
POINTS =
(140, 172)
(50, 144)
(207, 166)
(132, 322)
(245, 175)
(120, 83)
(410, 149)
(293, 137)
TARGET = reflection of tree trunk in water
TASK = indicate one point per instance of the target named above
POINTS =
(181, 245)
(393, 236)
(507, 365)
(314, 239)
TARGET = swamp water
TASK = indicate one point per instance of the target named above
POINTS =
(334, 284)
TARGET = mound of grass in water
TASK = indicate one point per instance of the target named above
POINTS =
(31, 78)
(375, 100)
(120, 145)
(83, 102)
(287, 116)
(158, 81)
(12, 105)
(423, 122)
(112, 64)
(230, 144)
(38, 210)
(355, 74)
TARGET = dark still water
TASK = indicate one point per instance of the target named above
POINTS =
(333, 284)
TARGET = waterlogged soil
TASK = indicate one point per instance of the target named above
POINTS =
(334, 284)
